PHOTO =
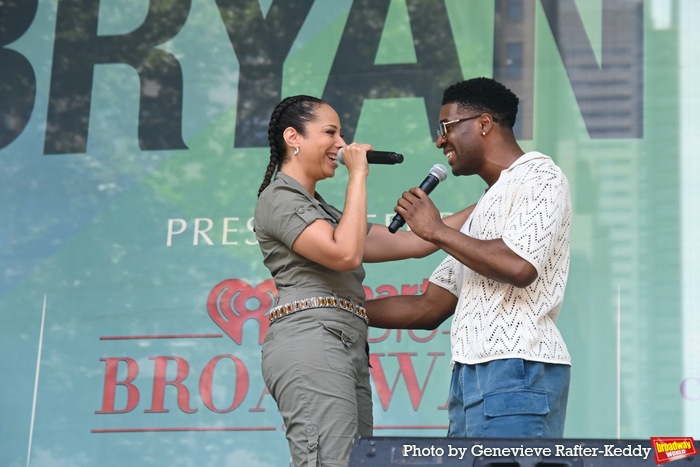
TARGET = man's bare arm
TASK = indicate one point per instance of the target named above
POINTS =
(426, 311)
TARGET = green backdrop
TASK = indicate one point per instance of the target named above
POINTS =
(133, 142)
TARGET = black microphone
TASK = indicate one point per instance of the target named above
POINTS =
(376, 157)
(438, 173)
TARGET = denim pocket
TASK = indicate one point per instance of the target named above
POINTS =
(522, 402)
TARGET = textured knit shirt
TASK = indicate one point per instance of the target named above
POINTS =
(529, 207)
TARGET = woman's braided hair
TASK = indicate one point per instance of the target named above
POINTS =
(295, 112)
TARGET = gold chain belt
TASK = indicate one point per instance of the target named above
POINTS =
(318, 302)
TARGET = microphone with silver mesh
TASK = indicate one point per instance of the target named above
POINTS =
(438, 173)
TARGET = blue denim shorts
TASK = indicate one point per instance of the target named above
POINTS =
(511, 398)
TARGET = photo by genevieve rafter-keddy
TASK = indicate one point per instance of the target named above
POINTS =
(378, 451)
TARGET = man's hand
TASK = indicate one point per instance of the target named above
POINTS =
(419, 212)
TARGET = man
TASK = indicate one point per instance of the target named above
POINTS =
(504, 276)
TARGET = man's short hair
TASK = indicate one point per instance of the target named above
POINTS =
(484, 95)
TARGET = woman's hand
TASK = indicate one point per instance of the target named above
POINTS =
(355, 158)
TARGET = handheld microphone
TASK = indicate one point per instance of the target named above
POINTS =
(438, 173)
(376, 157)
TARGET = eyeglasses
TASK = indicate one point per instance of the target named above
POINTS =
(442, 129)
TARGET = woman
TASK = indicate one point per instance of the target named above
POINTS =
(315, 354)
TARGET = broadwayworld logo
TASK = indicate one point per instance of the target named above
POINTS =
(671, 449)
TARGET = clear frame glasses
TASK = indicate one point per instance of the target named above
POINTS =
(442, 128)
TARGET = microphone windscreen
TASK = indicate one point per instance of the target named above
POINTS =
(439, 171)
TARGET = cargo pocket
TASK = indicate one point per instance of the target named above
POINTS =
(337, 339)
(524, 402)
(312, 445)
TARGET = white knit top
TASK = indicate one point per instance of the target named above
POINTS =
(529, 207)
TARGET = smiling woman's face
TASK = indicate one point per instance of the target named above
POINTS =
(320, 143)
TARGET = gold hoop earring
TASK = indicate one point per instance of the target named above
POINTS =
(296, 151)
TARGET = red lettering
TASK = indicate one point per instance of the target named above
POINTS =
(111, 383)
(415, 338)
(181, 371)
(399, 332)
(159, 383)
(386, 290)
(206, 382)
(415, 390)
(374, 340)
(258, 407)
(424, 285)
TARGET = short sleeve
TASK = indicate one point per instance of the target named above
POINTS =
(448, 275)
(536, 216)
(283, 213)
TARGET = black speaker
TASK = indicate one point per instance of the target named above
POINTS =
(512, 452)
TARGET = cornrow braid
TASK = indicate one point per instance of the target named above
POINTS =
(295, 112)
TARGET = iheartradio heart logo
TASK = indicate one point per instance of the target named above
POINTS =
(232, 302)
